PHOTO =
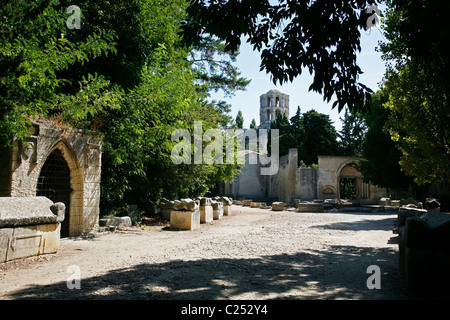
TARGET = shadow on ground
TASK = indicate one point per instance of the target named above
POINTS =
(386, 224)
(338, 273)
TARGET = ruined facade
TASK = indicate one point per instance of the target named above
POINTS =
(62, 164)
(335, 176)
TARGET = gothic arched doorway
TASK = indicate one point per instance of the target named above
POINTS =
(54, 183)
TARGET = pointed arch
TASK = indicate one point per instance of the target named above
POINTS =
(62, 150)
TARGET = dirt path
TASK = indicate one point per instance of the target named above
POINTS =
(252, 254)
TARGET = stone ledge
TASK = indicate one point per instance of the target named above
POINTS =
(28, 211)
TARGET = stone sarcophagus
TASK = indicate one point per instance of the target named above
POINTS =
(29, 226)
(206, 210)
(185, 214)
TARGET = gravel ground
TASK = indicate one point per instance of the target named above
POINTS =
(252, 254)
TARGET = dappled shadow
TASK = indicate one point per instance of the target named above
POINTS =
(361, 225)
(338, 273)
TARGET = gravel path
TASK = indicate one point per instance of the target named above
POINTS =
(252, 254)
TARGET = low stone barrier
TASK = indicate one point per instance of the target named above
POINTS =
(29, 226)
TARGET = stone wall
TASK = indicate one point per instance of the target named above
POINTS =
(333, 168)
(21, 168)
(292, 182)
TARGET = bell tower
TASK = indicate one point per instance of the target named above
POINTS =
(272, 103)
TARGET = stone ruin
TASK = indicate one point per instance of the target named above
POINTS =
(29, 226)
(188, 214)
(60, 163)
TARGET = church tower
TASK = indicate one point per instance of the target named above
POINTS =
(272, 104)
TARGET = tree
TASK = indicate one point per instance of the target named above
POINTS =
(214, 69)
(132, 82)
(382, 165)
(311, 133)
(36, 52)
(418, 84)
(286, 138)
(239, 120)
(320, 136)
(352, 134)
(299, 134)
(320, 36)
(253, 124)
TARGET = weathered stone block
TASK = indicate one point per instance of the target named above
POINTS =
(206, 213)
(411, 208)
(432, 204)
(118, 222)
(204, 201)
(166, 208)
(186, 205)
(28, 241)
(384, 202)
(255, 204)
(246, 202)
(310, 207)
(185, 220)
(278, 206)
(217, 210)
(395, 203)
(226, 210)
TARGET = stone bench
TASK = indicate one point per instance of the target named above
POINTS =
(29, 226)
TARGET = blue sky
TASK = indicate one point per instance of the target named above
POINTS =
(248, 62)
